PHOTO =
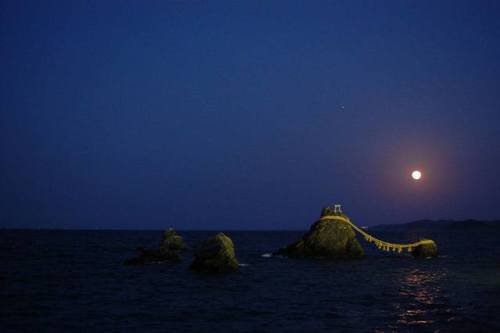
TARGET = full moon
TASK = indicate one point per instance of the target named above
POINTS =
(416, 175)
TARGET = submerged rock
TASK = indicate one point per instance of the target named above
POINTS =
(215, 255)
(427, 250)
(169, 249)
(327, 238)
(155, 256)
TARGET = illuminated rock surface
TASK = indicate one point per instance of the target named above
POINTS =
(332, 239)
(428, 250)
(215, 255)
(169, 249)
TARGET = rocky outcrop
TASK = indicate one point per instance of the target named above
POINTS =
(327, 238)
(172, 241)
(169, 251)
(148, 256)
(215, 255)
(426, 250)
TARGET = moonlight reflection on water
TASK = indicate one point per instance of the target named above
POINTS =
(424, 294)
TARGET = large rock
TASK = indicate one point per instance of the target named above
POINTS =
(169, 249)
(327, 238)
(215, 255)
(426, 250)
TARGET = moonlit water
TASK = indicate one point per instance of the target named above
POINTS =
(75, 281)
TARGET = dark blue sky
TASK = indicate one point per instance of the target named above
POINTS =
(234, 115)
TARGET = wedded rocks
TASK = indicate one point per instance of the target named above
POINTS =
(169, 251)
(327, 238)
(426, 250)
(215, 255)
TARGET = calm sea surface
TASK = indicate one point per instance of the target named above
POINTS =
(75, 281)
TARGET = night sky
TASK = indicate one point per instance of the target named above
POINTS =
(247, 115)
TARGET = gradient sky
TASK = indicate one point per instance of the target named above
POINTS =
(247, 115)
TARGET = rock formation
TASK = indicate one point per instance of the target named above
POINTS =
(169, 251)
(215, 255)
(427, 250)
(171, 241)
(327, 238)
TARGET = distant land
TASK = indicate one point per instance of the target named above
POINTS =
(439, 225)
(419, 225)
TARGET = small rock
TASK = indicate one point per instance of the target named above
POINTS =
(168, 251)
(427, 250)
(172, 241)
(215, 255)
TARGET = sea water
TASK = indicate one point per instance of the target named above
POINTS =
(75, 281)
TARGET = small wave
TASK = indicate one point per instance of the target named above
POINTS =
(267, 255)
(243, 265)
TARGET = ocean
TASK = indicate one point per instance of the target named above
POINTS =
(75, 281)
